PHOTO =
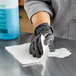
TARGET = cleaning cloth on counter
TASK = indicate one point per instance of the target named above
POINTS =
(21, 53)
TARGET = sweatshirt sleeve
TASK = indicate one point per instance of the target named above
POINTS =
(34, 6)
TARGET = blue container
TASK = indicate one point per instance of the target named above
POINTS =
(9, 19)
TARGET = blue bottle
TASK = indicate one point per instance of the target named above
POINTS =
(9, 19)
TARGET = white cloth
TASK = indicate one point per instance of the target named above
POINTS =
(21, 53)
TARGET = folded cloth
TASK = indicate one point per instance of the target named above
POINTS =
(21, 53)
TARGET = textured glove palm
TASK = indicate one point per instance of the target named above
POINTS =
(36, 46)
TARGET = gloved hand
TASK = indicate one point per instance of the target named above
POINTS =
(36, 47)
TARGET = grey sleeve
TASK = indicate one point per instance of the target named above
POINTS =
(34, 6)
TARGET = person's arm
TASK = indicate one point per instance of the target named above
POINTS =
(37, 9)
(41, 17)
(41, 22)
(40, 14)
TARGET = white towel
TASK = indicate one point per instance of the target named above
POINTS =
(21, 53)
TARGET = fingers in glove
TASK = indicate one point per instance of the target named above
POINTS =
(32, 50)
(51, 47)
(40, 46)
(37, 49)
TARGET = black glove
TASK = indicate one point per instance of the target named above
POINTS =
(36, 46)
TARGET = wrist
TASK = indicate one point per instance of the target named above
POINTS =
(42, 29)
(40, 17)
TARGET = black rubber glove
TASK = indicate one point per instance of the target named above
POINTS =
(36, 47)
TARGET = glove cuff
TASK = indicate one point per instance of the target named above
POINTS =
(43, 28)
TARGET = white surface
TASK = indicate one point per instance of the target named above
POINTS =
(21, 53)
